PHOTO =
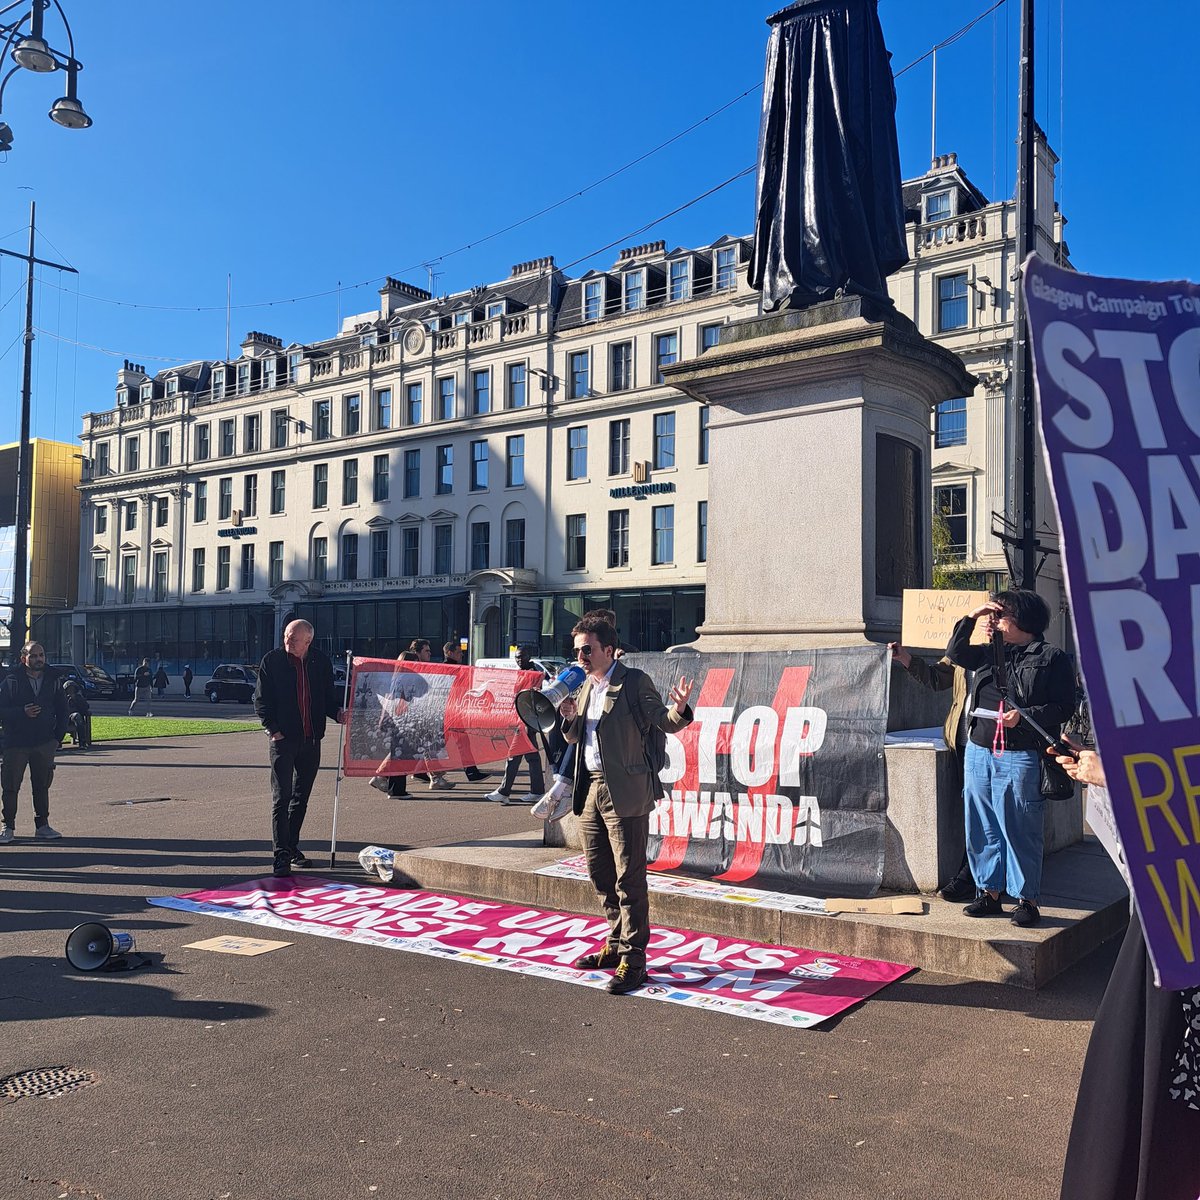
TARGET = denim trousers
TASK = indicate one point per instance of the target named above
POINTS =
(1003, 813)
(537, 780)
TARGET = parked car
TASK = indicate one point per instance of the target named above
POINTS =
(231, 682)
(94, 683)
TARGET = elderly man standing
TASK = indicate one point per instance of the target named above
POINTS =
(294, 697)
(33, 706)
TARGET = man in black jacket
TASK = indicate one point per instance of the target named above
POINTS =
(33, 707)
(293, 698)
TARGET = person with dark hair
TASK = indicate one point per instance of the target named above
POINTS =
(1019, 673)
(161, 681)
(187, 682)
(143, 678)
(79, 715)
(532, 760)
(420, 647)
(615, 791)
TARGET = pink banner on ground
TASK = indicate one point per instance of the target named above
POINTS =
(781, 984)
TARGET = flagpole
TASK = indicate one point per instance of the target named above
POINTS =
(337, 787)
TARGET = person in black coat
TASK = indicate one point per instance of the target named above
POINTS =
(79, 715)
(33, 707)
(294, 697)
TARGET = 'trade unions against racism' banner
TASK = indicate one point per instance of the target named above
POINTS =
(780, 779)
(1118, 383)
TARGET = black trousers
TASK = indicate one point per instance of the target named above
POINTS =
(40, 762)
(294, 766)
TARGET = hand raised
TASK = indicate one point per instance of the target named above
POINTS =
(680, 692)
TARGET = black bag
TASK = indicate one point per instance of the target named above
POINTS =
(1056, 784)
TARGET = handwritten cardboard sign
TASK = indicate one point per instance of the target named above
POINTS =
(930, 614)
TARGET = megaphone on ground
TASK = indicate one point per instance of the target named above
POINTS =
(92, 946)
(538, 707)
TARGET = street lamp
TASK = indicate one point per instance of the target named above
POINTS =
(31, 51)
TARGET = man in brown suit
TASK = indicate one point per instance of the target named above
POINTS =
(615, 791)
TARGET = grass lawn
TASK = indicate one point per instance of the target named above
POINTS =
(113, 729)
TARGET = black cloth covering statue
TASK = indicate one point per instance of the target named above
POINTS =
(828, 210)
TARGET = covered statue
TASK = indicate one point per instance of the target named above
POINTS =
(829, 218)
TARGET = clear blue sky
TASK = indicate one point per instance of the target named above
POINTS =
(297, 145)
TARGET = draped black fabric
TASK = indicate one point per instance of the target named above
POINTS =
(828, 207)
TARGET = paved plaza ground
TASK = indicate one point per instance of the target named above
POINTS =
(327, 1069)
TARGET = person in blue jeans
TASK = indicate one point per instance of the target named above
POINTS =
(1003, 805)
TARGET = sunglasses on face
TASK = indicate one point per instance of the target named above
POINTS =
(583, 652)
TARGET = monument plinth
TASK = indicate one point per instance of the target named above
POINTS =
(819, 442)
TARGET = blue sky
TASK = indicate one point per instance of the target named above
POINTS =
(301, 147)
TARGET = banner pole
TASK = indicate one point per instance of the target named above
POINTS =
(337, 787)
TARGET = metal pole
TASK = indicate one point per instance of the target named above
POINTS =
(20, 616)
(933, 113)
(337, 787)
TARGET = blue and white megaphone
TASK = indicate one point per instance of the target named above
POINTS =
(538, 707)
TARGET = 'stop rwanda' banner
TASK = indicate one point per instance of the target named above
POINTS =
(1118, 384)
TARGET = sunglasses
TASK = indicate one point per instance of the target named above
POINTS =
(583, 652)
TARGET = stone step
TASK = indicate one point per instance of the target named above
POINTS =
(1084, 903)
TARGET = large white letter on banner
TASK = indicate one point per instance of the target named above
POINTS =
(1088, 475)
(1183, 363)
(1134, 350)
(1094, 430)
(1171, 493)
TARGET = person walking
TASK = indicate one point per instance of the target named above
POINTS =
(161, 680)
(142, 681)
(532, 759)
(452, 653)
(615, 791)
(187, 682)
(294, 697)
(33, 708)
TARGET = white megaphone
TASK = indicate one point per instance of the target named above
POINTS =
(91, 946)
(538, 707)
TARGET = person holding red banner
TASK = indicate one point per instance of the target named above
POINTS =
(615, 791)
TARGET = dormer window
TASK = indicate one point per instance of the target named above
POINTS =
(172, 385)
(268, 372)
(726, 268)
(635, 290)
(243, 379)
(938, 206)
(368, 339)
(593, 300)
(218, 383)
(122, 397)
(433, 324)
(147, 391)
(295, 358)
(495, 309)
(680, 280)
(461, 318)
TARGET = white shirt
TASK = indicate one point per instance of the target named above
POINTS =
(595, 710)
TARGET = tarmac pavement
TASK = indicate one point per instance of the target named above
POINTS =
(330, 1069)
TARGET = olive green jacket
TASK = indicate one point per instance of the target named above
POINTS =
(938, 676)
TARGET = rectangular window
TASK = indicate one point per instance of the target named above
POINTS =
(702, 457)
(479, 466)
(322, 420)
(247, 579)
(494, 309)
(663, 525)
(159, 577)
(218, 383)
(577, 437)
(937, 206)
(351, 414)
(702, 531)
(320, 485)
(162, 455)
(350, 481)
(274, 564)
(268, 372)
(130, 515)
(349, 556)
(950, 423)
(128, 578)
(580, 382)
(680, 282)
(460, 318)
(172, 385)
(618, 447)
(414, 395)
(710, 335)
(635, 290)
(410, 551)
(243, 378)
(666, 352)
(481, 392)
(381, 479)
(132, 448)
(618, 538)
(950, 510)
(514, 460)
(278, 491)
(225, 439)
(576, 542)
(383, 408)
(412, 474)
(102, 461)
(481, 545)
(162, 511)
(198, 569)
(446, 398)
(518, 395)
(952, 302)
(620, 367)
(224, 499)
(100, 520)
(593, 300)
(726, 268)
(99, 581)
(203, 443)
(379, 553)
(147, 391)
(514, 542)
(320, 561)
(443, 549)
(250, 496)
(251, 433)
(200, 501)
(445, 470)
(664, 440)
(279, 428)
(223, 557)
(294, 361)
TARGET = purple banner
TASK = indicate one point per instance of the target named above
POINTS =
(1117, 367)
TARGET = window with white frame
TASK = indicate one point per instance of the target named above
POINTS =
(662, 550)
(726, 262)
(414, 394)
(620, 366)
(247, 580)
(952, 302)
(938, 206)
(950, 509)
(320, 558)
(664, 440)
(481, 392)
(350, 481)
(225, 498)
(514, 460)
(159, 577)
(593, 299)
(618, 446)
(479, 466)
(410, 551)
(481, 545)
(200, 501)
(702, 531)
(950, 423)
(381, 479)
(666, 352)
(618, 538)
(444, 462)
(383, 408)
(223, 561)
(250, 496)
(320, 491)
(379, 553)
(348, 558)
(679, 280)
(251, 433)
(226, 439)
(162, 457)
(198, 569)
(577, 448)
(576, 542)
(351, 414)
(99, 581)
(446, 398)
(274, 564)
(518, 393)
(322, 420)
(635, 290)
(514, 542)
(580, 382)
(443, 549)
